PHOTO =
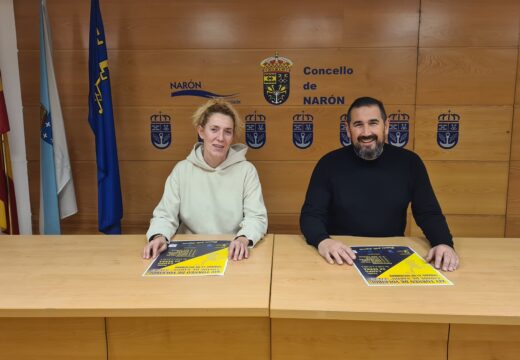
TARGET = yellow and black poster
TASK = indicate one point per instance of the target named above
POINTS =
(191, 258)
(395, 266)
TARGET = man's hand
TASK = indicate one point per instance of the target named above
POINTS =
(445, 256)
(336, 252)
(238, 248)
(155, 247)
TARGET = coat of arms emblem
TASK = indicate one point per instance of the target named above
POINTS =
(448, 130)
(161, 130)
(344, 139)
(398, 130)
(255, 130)
(277, 79)
(303, 129)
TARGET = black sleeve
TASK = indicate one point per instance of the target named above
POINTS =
(426, 209)
(314, 214)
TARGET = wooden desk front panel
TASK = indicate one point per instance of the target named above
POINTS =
(332, 339)
(484, 342)
(188, 338)
(53, 339)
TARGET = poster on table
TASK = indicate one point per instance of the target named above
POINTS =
(395, 266)
(191, 258)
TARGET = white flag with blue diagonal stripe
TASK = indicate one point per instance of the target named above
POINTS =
(57, 195)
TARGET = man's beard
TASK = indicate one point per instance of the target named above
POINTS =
(368, 153)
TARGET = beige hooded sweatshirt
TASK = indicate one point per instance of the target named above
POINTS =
(199, 199)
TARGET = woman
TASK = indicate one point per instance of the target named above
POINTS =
(214, 191)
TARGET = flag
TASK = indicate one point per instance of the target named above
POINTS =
(57, 195)
(8, 212)
(101, 119)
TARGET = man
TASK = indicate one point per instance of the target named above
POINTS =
(365, 189)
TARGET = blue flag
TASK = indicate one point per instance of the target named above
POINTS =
(57, 195)
(101, 119)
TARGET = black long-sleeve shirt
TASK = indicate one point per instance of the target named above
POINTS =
(351, 196)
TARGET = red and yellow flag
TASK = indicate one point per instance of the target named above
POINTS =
(8, 213)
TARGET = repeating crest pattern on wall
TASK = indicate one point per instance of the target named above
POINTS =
(255, 130)
(161, 130)
(344, 139)
(398, 129)
(303, 130)
(448, 128)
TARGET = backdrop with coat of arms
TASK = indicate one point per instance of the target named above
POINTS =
(451, 93)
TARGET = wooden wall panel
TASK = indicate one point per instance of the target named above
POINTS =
(85, 184)
(517, 99)
(80, 139)
(284, 184)
(461, 187)
(513, 199)
(480, 342)
(133, 134)
(466, 76)
(134, 143)
(72, 79)
(53, 338)
(439, 55)
(470, 226)
(200, 24)
(372, 23)
(484, 133)
(137, 198)
(237, 24)
(513, 196)
(137, 223)
(469, 23)
(143, 78)
(469, 187)
(87, 223)
(194, 338)
(284, 223)
(515, 138)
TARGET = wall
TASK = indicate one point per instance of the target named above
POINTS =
(422, 58)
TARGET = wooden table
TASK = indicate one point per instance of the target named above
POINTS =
(83, 297)
(326, 311)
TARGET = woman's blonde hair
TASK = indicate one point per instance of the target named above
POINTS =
(217, 106)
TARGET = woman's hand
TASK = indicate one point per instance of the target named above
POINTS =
(238, 248)
(155, 247)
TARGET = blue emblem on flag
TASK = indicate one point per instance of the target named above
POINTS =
(399, 126)
(344, 139)
(45, 127)
(255, 130)
(303, 129)
(161, 129)
(448, 130)
(277, 78)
